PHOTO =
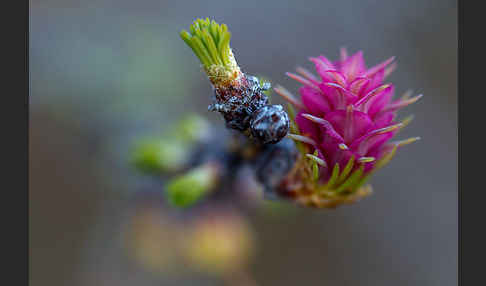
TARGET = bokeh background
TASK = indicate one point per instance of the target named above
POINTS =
(105, 72)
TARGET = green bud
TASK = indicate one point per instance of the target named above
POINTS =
(187, 189)
(210, 42)
(160, 155)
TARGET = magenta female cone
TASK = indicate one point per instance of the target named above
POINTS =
(343, 127)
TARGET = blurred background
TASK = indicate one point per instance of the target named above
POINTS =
(105, 72)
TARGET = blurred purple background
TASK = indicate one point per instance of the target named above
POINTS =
(104, 72)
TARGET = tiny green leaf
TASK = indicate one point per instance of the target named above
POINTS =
(334, 176)
(315, 168)
(362, 181)
(346, 170)
(351, 181)
(386, 158)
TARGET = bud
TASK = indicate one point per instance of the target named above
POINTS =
(188, 188)
(172, 151)
(269, 124)
(237, 96)
(160, 155)
(210, 42)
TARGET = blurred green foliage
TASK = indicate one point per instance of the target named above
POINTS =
(187, 189)
(160, 155)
